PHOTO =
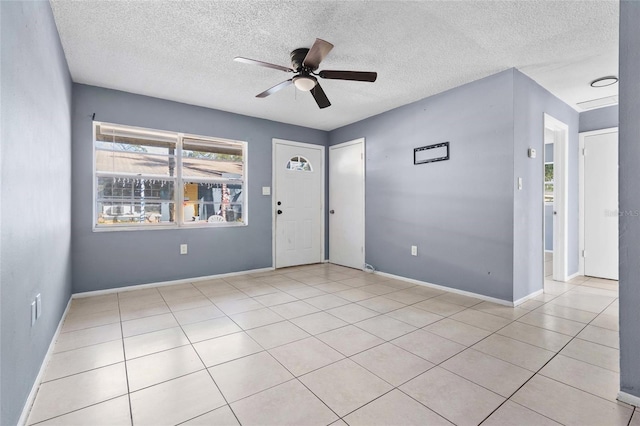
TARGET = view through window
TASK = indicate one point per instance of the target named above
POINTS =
(548, 183)
(147, 178)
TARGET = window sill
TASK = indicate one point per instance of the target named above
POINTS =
(187, 225)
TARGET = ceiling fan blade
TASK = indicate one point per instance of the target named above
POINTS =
(320, 96)
(275, 88)
(349, 75)
(317, 53)
(262, 64)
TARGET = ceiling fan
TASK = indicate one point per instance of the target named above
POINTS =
(304, 63)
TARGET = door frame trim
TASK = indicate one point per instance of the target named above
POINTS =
(582, 136)
(561, 199)
(364, 193)
(323, 192)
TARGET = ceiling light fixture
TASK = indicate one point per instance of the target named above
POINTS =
(305, 82)
(604, 81)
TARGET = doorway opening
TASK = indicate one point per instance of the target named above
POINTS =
(548, 203)
(556, 134)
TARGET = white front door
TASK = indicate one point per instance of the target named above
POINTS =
(601, 205)
(298, 203)
(346, 204)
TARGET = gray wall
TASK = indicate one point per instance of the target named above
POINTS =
(458, 212)
(629, 197)
(601, 118)
(531, 101)
(35, 235)
(474, 229)
(149, 256)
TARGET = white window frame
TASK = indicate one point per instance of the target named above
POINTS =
(178, 199)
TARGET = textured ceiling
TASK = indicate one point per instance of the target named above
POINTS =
(184, 50)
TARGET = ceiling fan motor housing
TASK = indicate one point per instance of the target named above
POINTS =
(297, 57)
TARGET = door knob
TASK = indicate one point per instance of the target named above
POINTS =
(332, 211)
(279, 211)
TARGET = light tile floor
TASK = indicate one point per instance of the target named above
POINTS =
(323, 344)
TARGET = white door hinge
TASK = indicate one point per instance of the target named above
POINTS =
(584, 253)
(584, 151)
(362, 156)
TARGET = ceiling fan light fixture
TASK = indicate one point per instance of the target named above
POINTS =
(303, 64)
(305, 82)
(604, 81)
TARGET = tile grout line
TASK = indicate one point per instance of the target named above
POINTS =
(119, 322)
(587, 362)
(387, 341)
(96, 368)
(495, 332)
(224, 398)
(124, 356)
(294, 377)
(315, 337)
(76, 410)
(538, 372)
(384, 341)
(302, 383)
(378, 314)
(393, 387)
(325, 311)
(69, 375)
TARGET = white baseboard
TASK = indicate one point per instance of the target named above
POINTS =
(166, 283)
(629, 399)
(36, 384)
(530, 296)
(445, 288)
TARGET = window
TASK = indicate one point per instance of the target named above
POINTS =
(299, 164)
(154, 179)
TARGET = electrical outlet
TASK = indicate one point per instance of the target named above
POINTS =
(266, 190)
(38, 306)
(183, 249)
(414, 250)
(33, 313)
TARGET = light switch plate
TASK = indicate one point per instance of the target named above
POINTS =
(414, 250)
(266, 190)
(183, 249)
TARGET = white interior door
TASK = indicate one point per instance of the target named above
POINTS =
(601, 205)
(346, 204)
(298, 203)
